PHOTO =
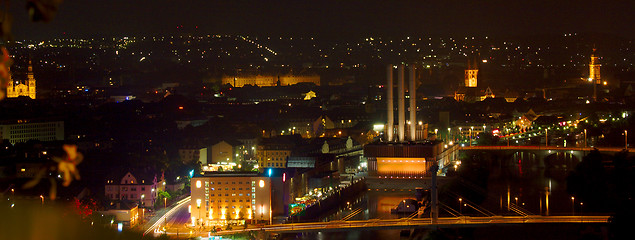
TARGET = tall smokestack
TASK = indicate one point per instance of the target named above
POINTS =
(413, 104)
(402, 102)
(389, 99)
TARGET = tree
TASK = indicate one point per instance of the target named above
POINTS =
(161, 195)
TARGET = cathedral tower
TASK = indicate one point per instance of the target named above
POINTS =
(471, 75)
(594, 73)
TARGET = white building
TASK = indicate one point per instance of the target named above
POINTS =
(141, 188)
(23, 130)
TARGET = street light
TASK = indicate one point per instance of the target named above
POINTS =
(572, 206)
(625, 139)
(42, 197)
(404, 206)
(461, 206)
(546, 137)
(585, 138)
(516, 198)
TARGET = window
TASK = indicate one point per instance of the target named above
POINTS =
(233, 188)
(226, 194)
(240, 194)
(143, 188)
(233, 200)
(240, 188)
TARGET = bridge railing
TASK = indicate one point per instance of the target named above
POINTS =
(556, 148)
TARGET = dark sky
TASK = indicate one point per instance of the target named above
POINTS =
(344, 18)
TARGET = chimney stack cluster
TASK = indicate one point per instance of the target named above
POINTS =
(401, 108)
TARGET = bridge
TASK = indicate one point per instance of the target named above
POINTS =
(538, 154)
(410, 223)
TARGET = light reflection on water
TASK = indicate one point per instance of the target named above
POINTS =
(523, 177)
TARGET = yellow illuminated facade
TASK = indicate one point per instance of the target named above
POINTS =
(17, 89)
(270, 80)
(271, 157)
(223, 198)
(402, 167)
(594, 69)
(471, 75)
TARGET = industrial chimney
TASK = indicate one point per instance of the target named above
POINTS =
(389, 98)
(413, 104)
(401, 104)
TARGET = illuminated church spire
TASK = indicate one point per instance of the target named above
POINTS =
(471, 74)
(594, 69)
(594, 73)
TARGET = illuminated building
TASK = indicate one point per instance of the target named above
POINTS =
(243, 79)
(141, 188)
(273, 152)
(469, 92)
(594, 73)
(272, 156)
(399, 160)
(18, 89)
(23, 130)
(471, 74)
(220, 198)
(126, 214)
(594, 69)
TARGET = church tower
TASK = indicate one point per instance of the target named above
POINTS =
(594, 73)
(471, 74)
(30, 81)
(594, 69)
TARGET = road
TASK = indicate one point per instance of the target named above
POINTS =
(177, 215)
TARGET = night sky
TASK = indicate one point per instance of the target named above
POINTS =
(354, 18)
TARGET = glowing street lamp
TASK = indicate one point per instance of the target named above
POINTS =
(42, 197)
(461, 206)
(572, 206)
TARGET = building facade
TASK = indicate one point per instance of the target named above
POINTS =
(27, 89)
(273, 156)
(594, 69)
(23, 130)
(401, 160)
(241, 80)
(142, 188)
(221, 198)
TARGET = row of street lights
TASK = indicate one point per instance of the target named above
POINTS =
(516, 199)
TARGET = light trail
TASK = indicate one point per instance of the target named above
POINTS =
(167, 214)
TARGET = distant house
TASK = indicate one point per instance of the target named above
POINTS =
(223, 151)
(140, 186)
(191, 154)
